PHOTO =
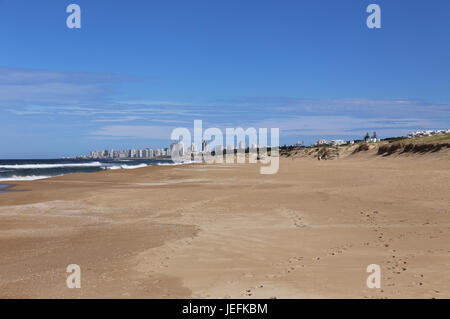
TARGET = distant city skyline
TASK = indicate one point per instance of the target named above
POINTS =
(137, 70)
(242, 145)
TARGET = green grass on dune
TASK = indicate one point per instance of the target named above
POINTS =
(422, 145)
(435, 139)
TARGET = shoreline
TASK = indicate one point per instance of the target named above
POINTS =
(38, 175)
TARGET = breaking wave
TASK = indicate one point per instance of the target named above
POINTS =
(127, 166)
(42, 166)
(24, 178)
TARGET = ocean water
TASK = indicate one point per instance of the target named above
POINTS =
(28, 170)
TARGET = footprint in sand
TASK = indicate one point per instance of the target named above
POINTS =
(249, 291)
(287, 267)
(339, 250)
(295, 217)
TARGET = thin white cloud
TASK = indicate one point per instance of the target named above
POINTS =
(138, 131)
(171, 121)
(345, 125)
(89, 97)
(123, 119)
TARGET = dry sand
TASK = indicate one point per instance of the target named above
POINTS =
(225, 231)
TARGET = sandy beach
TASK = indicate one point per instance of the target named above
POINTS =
(225, 231)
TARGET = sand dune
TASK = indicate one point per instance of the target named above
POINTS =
(225, 231)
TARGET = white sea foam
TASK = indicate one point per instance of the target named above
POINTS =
(107, 166)
(24, 178)
(40, 166)
(134, 166)
(127, 166)
(181, 163)
(114, 167)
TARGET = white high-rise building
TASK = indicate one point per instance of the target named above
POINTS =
(241, 146)
(181, 149)
(177, 148)
(123, 154)
(219, 149)
(193, 148)
(204, 145)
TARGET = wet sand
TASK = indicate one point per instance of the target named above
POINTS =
(225, 231)
(4, 188)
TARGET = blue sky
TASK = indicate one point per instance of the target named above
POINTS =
(138, 69)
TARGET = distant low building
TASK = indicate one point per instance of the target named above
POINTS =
(428, 133)
(372, 139)
(298, 145)
(337, 142)
(322, 142)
